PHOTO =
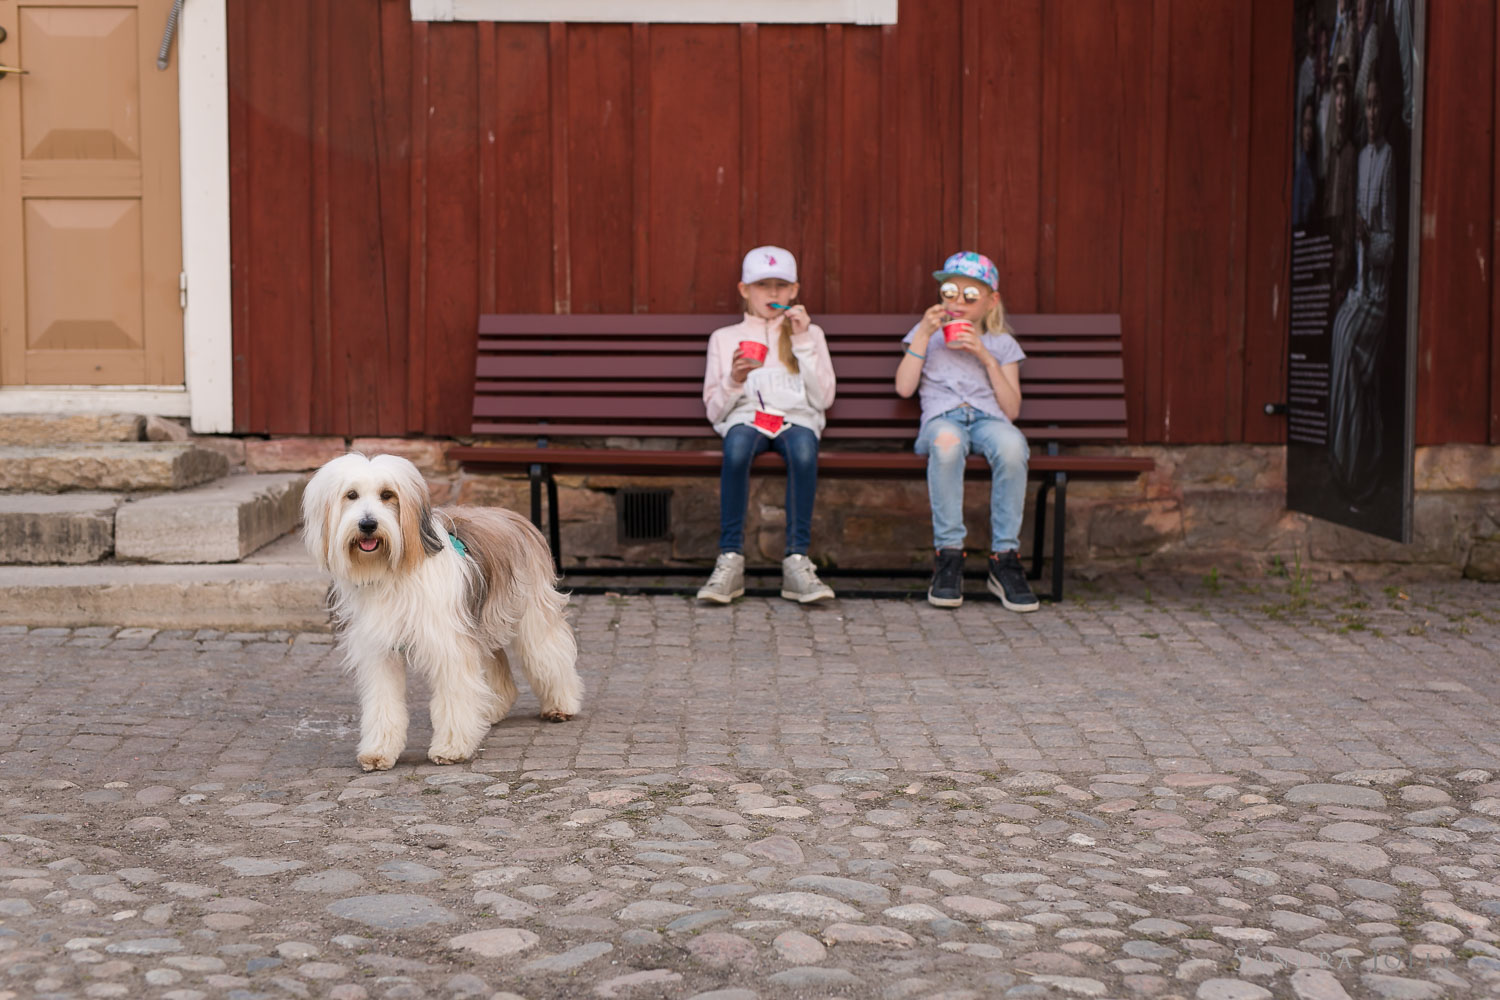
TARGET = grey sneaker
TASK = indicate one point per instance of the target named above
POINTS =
(727, 581)
(799, 581)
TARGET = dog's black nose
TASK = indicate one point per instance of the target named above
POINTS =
(368, 525)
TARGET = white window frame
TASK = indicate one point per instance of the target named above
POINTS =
(661, 11)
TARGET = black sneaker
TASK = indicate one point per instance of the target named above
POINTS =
(1008, 582)
(947, 590)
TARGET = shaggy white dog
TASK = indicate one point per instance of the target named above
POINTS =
(445, 591)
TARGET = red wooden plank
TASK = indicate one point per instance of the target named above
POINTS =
(750, 138)
(1087, 200)
(519, 456)
(1151, 356)
(416, 327)
(452, 225)
(862, 132)
(860, 410)
(599, 131)
(833, 166)
(634, 389)
(1494, 257)
(889, 122)
(525, 278)
(557, 104)
(929, 152)
(1009, 116)
(278, 216)
(1232, 358)
(237, 58)
(489, 167)
(689, 367)
(1133, 25)
(1199, 159)
(834, 324)
(790, 158)
(1269, 208)
(968, 111)
(640, 174)
(359, 368)
(695, 135)
(393, 149)
(903, 432)
(1457, 211)
(1050, 44)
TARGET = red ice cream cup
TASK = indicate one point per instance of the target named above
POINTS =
(953, 328)
(753, 349)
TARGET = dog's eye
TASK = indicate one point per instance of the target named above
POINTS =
(387, 496)
(352, 495)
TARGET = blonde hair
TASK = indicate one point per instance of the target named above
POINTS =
(994, 320)
(784, 342)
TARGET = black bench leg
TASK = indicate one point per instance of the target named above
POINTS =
(541, 474)
(554, 523)
(536, 496)
(1039, 528)
(1059, 530)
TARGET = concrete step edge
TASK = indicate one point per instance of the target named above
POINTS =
(108, 466)
(77, 527)
(243, 596)
(221, 521)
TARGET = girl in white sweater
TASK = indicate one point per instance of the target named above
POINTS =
(767, 384)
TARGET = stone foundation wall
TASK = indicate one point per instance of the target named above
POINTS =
(1204, 508)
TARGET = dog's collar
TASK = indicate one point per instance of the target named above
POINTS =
(459, 546)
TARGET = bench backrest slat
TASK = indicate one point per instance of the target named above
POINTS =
(642, 375)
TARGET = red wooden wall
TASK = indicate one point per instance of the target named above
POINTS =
(391, 181)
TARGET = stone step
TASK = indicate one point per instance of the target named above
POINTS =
(222, 521)
(277, 588)
(138, 466)
(57, 528)
(36, 430)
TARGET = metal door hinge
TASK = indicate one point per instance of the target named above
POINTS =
(182, 289)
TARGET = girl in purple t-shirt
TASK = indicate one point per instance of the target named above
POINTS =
(968, 368)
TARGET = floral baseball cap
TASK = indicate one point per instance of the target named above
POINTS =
(967, 264)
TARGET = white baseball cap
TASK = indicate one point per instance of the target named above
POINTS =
(768, 262)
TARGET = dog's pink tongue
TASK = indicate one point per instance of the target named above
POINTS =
(368, 544)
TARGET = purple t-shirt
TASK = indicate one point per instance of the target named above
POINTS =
(951, 378)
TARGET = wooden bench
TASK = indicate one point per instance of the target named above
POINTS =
(562, 378)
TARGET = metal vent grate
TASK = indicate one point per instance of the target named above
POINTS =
(643, 515)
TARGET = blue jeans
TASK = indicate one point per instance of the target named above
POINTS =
(798, 447)
(949, 439)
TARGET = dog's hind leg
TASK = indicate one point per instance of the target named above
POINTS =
(548, 652)
(381, 678)
(463, 703)
(497, 670)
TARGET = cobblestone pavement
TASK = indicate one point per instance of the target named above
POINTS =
(1194, 789)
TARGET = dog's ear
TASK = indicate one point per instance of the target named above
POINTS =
(419, 535)
(318, 514)
(432, 539)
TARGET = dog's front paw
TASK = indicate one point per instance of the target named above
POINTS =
(556, 715)
(449, 755)
(374, 760)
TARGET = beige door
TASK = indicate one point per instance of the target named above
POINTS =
(90, 232)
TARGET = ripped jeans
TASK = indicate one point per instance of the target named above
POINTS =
(948, 440)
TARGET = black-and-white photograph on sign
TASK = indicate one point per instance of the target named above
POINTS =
(1353, 294)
